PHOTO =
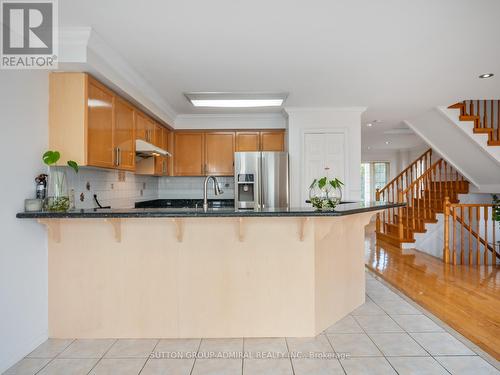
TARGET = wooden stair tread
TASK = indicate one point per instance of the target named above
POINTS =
(494, 143)
(469, 118)
(482, 130)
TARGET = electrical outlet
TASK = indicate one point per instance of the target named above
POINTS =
(82, 197)
(121, 176)
(112, 186)
(88, 186)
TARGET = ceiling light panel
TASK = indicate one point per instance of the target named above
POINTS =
(236, 100)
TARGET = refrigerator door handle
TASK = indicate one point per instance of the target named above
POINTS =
(261, 181)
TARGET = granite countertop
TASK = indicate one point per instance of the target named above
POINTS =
(340, 210)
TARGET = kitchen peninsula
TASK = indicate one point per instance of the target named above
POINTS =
(181, 273)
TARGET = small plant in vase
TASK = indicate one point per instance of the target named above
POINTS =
(57, 197)
(325, 194)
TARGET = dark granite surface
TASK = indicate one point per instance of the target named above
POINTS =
(340, 210)
(184, 203)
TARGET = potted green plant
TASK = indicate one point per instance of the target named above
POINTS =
(57, 196)
(325, 194)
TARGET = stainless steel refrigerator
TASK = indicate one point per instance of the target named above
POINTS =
(261, 180)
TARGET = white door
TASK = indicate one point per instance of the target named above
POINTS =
(324, 155)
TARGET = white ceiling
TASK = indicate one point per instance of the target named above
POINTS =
(396, 57)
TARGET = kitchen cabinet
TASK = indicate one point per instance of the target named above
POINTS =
(145, 128)
(269, 140)
(94, 126)
(189, 153)
(247, 141)
(219, 153)
(123, 134)
(100, 103)
(272, 141)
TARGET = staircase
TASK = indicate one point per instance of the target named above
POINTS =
(484, 114)
(423, 186)
(431, 188)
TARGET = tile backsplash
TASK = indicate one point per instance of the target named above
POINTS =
(123, 189)
(192, 187)
(113, 188)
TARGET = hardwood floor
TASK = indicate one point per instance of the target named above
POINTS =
(467, 298)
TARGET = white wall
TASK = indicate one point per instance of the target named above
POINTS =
(346, 120)
(23, 250)
(231, 121)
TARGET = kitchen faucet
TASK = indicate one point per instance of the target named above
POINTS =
(217, 191)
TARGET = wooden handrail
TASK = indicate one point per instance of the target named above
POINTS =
(425, 157)
(423, 187)
(456, 251)
(432, 168)
(485, 114)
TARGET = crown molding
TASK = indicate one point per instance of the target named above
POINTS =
(82, 49)
(324, 109)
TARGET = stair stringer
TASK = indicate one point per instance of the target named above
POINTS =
(462, 152)
(467, 126)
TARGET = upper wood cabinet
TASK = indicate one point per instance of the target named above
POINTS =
(247, 141)
(145, 128)
(272, 140)
(219, 153)
(100, 104)
(94, 126)
(124, 135)
(189, 153)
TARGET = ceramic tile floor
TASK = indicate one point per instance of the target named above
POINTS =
(387, 335)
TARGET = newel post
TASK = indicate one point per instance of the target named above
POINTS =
(377, 223)
(400, 215)
(446, 211)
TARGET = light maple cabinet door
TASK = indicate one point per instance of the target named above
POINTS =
(145, 128)
(247, 141)
(272, 141)
(100, 150)
(219, 153)
(124, 140)
(189, 154)
(159, 139)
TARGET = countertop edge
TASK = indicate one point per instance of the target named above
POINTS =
(191, 213)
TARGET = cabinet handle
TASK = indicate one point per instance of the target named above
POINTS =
(116, 156)
(119, 156)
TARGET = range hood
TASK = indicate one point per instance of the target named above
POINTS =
(145, 149)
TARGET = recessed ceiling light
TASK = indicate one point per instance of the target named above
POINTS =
(486, 75)
(369, 148)
(236, 100)
(387, 142)
(369, 124)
